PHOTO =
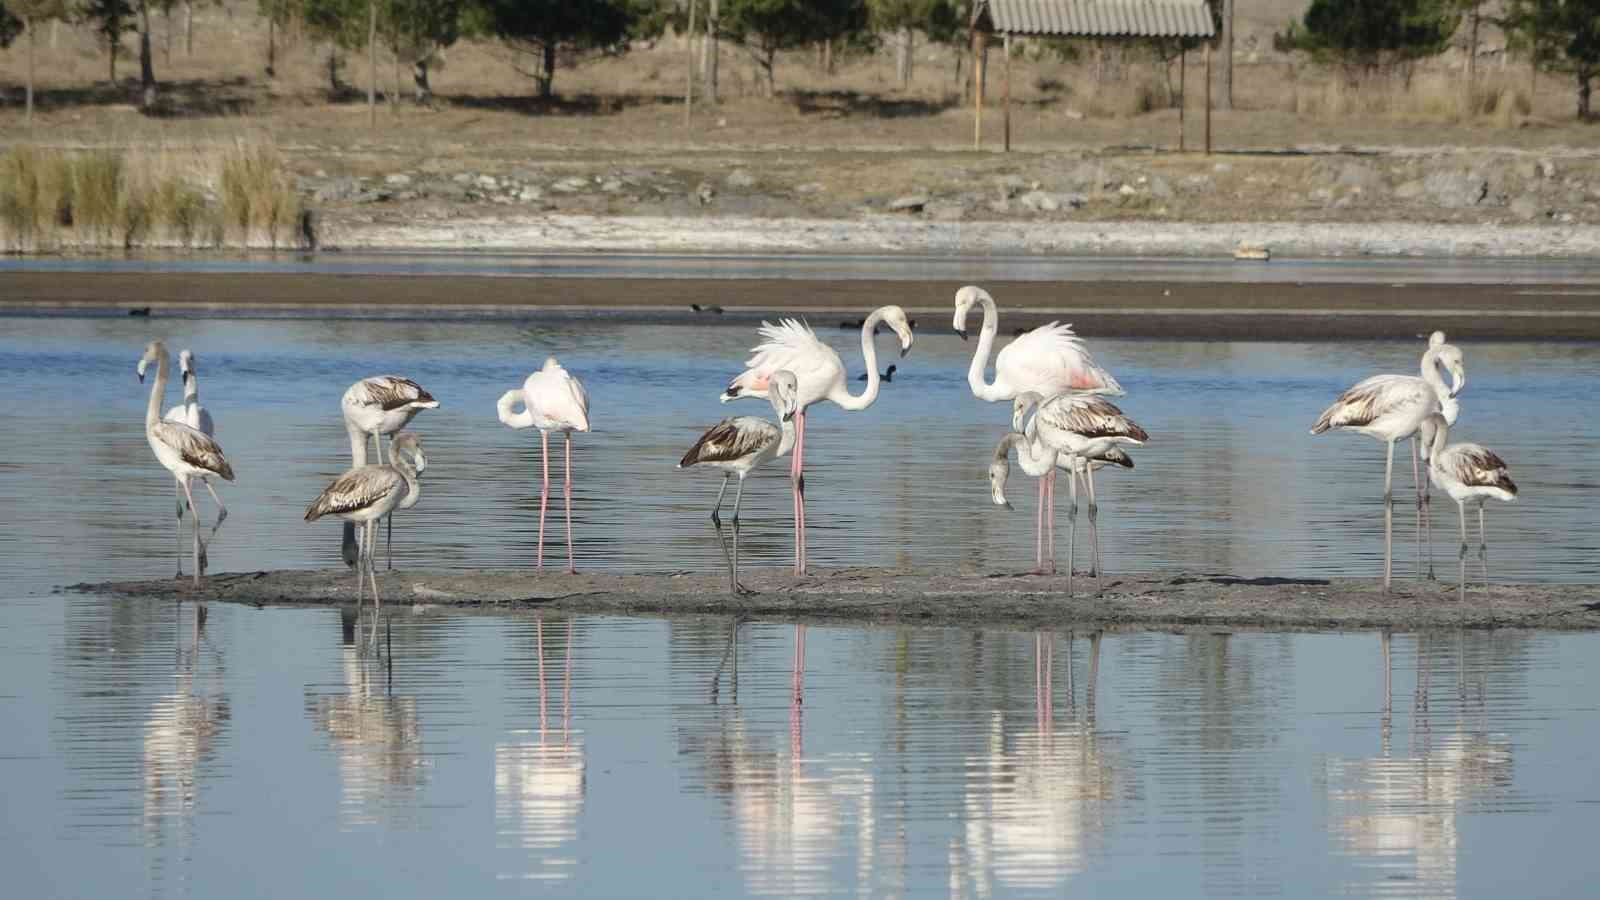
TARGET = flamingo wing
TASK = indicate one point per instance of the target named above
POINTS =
(1052, 360)
(792, 345)
(558, 397)
(390, 392)
(194, 447)
(731, 440)
(1477, 466)
(1090, 416)
(357, 489)
(1371, 400)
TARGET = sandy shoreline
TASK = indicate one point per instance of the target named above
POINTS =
(950, 598)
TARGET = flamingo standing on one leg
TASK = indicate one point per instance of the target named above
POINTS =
(192, 414)
(374, 407)
(1470, 474)
(364, 494)
(1392, 408)
(186, 452)
(737, 446)
(793, 346)
(553, 399)
(1079, 427)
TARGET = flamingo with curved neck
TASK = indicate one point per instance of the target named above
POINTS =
(1048, 360)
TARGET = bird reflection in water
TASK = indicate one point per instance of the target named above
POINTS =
(1036, 803)
(1400, 811)
(374, 734)
(180, 737)
(539, 785)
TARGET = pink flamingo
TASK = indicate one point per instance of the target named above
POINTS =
(820, 375)
(553, 399)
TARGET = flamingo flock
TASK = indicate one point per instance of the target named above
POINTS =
(1062, 421)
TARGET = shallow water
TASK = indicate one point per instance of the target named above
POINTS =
(489, 755)
(1230, 482)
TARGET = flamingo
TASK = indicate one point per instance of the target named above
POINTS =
(364, 494)
(553, 399)
(1450, 408)
(192, 414)
(1392, 408)
(1034, 463)
(187, 452)
(1470, 474)
(739, 444)
(820, 374)
(1048, 360)
(374, 407)
(1078, 427)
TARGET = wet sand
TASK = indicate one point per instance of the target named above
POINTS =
(1181, 310)
(942, 598)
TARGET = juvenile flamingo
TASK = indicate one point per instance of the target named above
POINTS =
(737, 446)
(792, 345)
(375, 407)
(1471, 475)
(552, 399)
(1392, 408)
(365, 494)
(188, 453)
(192, 414)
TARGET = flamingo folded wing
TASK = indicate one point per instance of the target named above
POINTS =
(355, 490)
(1052, 359)
(194, 447)
(1372, 399)
(732, 439)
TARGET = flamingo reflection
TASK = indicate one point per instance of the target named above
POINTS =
(180, 737)
(539, 785)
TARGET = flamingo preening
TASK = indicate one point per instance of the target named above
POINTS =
(1048, 360)
(1471, 475)
(738, 445)
(1042, 464)
(365, 494)
(192, 414)
(1077, 428)
(375, 407)
(1392, 408)
(1450, 408)
(552, 399)
(187, 452)
(792, 345)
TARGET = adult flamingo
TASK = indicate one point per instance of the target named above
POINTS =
(1392, 408)
(1471, 475)
(188, 453)
(737, 446)
(820, 375)
(1048, 360)
(192, 414)
(552, 399)
(1079, 427)
(375, 407)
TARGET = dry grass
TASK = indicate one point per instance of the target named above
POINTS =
(1495, 100)
(240, 195)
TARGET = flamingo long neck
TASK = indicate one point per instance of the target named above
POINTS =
(980, 360)
(786, 443)
(841, 394)
(506, 408)
(1430, 373)
(191, 395)
(401, 464)
(358, 444)
(152, 413)
(1441, 436)
(1035, 457)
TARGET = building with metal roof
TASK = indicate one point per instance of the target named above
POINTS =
(1095, 18)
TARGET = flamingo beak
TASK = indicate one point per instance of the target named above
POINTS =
(962, 332)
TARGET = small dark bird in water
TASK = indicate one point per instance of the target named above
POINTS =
(888, 375)
(139, 311)
(714, 310)
(854, 323)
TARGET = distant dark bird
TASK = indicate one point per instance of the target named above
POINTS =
(139, 311)
(848, 324)
(888, 375)
(714, 310)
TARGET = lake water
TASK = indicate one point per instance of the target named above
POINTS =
(488, 755)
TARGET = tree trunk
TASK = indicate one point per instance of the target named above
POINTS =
(1227, 54)
(688, 78)
(147, 65)
(1583, 95)
(115, 45)
(419, 74)
(333, 71)
(769, 59)
(394, 99)
(29, 24)
(188, 27)
(547, 72)
(903, 56)
(372, 63)
(166, 36)
(709, 53)
(272, 47)
(827, 57)
(1472, 58)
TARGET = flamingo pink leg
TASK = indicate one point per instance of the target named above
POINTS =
(794, 490)
(544, 493)
(1050, 519)
(799, 480)
(571, 569)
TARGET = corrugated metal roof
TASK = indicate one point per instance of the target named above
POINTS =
(1098, 18)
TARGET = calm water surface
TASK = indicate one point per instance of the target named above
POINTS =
(491, 755)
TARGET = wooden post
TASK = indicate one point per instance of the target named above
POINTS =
(1183, 62)
(1208, 99)
(977, 88)
(1007, 117)
(372, 63)
(688, 91)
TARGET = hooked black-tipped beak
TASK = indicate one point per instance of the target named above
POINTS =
(962, 332)
(788, 416)
(141, 377)
(904, 351)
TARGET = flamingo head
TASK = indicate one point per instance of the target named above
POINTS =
(999, 471)
(783, 389)
(965, 299)
(1021, 406)
(186, 363)
(895, 318)
(410, 446)
(1436, 339)
(155, 351)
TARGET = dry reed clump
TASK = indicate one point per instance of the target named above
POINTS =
(1125, 99)
(51, 199)
(1495, 100)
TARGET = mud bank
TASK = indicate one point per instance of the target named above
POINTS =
(952, 598)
